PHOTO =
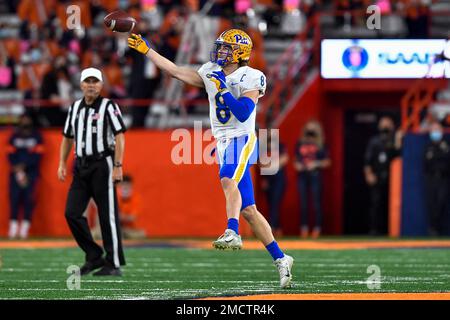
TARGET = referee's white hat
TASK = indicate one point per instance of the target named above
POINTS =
(91, 72)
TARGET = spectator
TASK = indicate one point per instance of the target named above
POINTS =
(220, 8)
(310, 7)
(273, 13)
(12, 6)
(311, 159)
(24, 155)
(417, 19)
(129, 209)
(171, 31)
(115, 78)
(350, 12)
(274, 182)
(36, 11)
(342, 17)
(57, 90)
(29, 77)
(381, 150)
(429, 118)
(437, 177)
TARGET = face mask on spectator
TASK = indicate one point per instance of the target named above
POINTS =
(385, 131)
(310, 133)
(436, 135)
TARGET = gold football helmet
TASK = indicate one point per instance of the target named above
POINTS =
(232, 46)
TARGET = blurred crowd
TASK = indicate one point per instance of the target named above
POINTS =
(415, 13)
(41, 57)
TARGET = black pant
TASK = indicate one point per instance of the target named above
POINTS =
(19, 196)
(310, 182)
(437, 196)
(93, 179)
(378, 212)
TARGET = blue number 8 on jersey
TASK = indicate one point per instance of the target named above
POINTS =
(223, 113)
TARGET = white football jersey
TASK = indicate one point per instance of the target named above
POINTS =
(244, 79)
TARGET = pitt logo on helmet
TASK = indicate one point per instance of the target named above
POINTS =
(240, 39)
(232, 46)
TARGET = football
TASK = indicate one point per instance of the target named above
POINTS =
(119, 21)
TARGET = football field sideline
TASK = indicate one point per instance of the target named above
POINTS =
(176, 269)
(291, 244)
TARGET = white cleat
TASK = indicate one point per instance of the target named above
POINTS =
(284, 266)
(229, 240)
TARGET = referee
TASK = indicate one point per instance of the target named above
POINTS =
(95, 125)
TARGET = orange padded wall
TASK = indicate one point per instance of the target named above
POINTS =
(178, 200)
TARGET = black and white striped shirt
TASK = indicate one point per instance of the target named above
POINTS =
(93, 127)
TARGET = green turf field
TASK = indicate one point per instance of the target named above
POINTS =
(177, 273)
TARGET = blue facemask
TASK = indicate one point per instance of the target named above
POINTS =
(436, 135)
(221, 61)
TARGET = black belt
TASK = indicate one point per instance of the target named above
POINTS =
(83, 161)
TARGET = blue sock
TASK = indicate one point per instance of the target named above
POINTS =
(274, 250)
(233, 224)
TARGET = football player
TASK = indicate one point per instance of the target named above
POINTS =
(233, 91)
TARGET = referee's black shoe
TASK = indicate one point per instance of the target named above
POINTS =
(108, 270)
(90, 266)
